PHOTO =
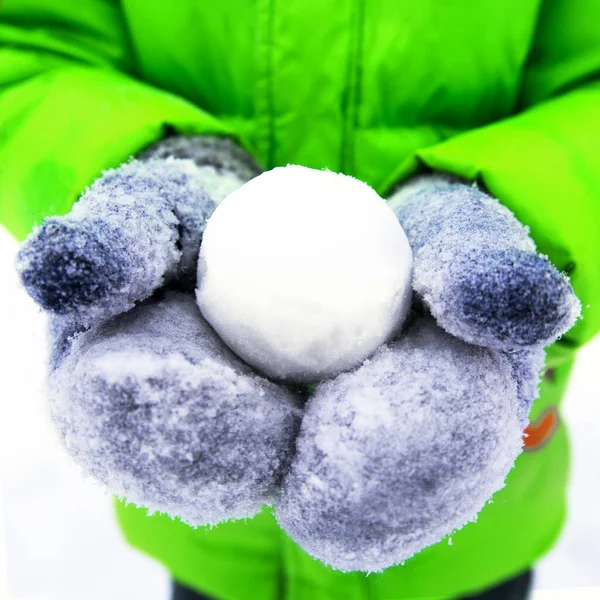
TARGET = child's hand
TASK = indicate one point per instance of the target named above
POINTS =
(146, 396)
(395, 455)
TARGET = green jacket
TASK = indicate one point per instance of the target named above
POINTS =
(505, 91)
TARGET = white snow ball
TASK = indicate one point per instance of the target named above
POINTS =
(304, 273)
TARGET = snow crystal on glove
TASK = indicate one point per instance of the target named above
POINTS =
(156, 407)
(394, 456)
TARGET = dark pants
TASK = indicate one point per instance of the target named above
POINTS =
(514, 589)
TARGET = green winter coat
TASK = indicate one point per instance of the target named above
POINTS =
(504, 91)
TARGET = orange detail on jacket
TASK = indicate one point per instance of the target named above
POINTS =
(539, 432)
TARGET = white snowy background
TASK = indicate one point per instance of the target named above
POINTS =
(58, 537)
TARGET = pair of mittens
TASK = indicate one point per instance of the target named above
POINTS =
(381, 461)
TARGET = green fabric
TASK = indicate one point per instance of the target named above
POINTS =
(66, 112)
(505, 91)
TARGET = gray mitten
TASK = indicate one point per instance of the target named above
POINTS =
(146, 396)
(411, 445)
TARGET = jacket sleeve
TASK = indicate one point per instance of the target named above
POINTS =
(544, 162)
(70, 105)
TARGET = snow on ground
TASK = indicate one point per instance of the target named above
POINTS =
(57, 532)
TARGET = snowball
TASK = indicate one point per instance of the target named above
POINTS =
(304, 273)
